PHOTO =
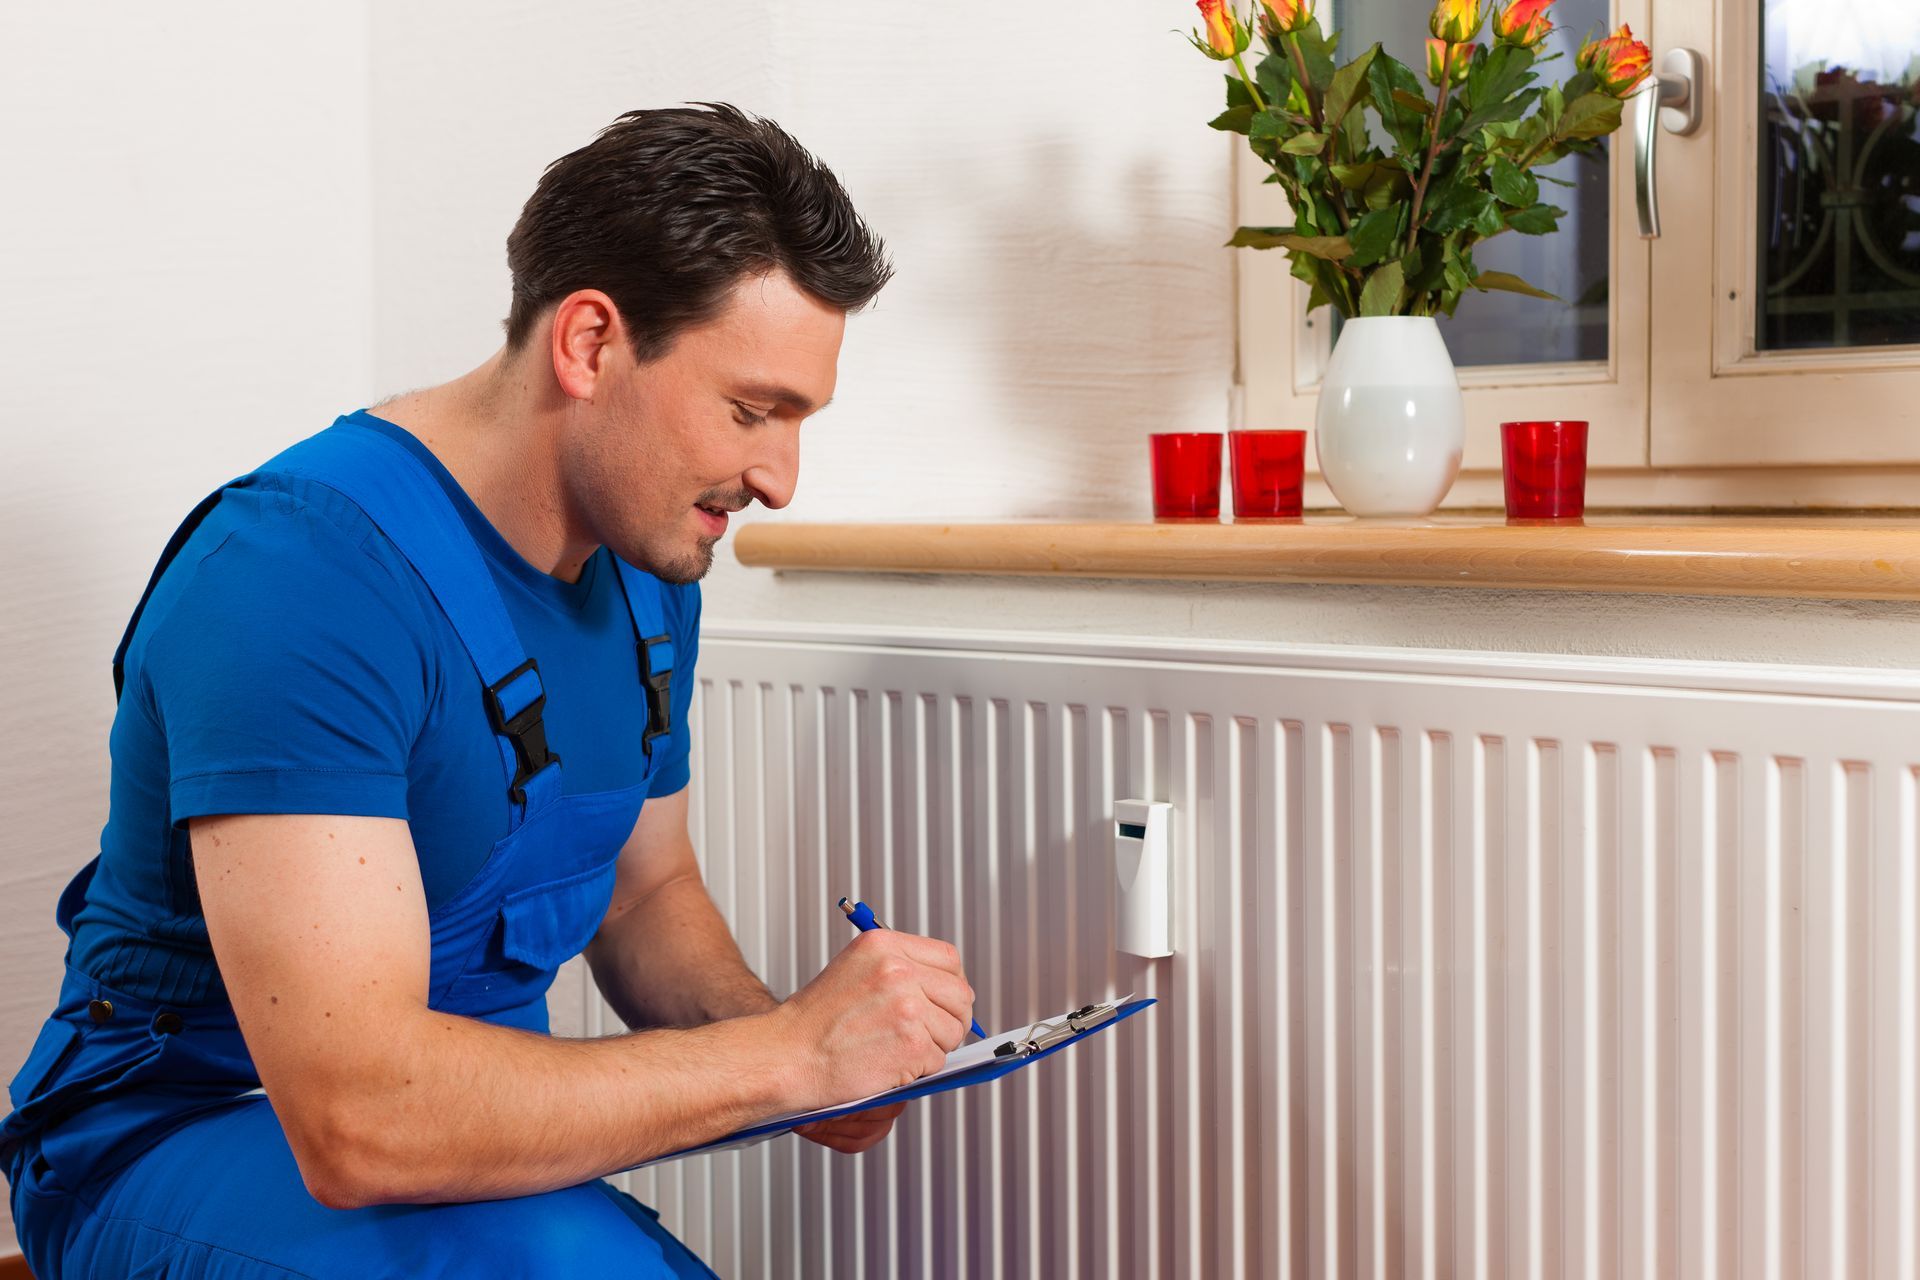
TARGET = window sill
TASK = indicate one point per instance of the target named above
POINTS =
(1839, 557)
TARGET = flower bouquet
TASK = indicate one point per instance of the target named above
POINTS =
(1390, 232)
(1391, 190)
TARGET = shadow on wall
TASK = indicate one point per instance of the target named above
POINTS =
(1069, 334)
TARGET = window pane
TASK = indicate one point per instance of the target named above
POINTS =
(1839, 171)
(1508, 328)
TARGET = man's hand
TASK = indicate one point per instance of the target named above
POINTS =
(855, 1133)
(886, 1011)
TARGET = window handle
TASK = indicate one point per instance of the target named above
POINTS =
(1672, 98)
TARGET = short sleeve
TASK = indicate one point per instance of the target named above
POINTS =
(682, 607)
(290, 675)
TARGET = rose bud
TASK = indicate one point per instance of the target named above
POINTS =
(1284, 16)
(1456, 21)
(1524, 23)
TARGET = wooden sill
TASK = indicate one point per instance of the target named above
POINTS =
(1825, 557)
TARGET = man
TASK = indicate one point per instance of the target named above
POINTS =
(402, 728)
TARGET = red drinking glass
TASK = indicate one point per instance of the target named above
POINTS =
(1186, 475)
(1546, 469)
(1268, 467)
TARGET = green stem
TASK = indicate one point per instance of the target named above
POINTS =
(1315, 106)
(1433, 147)
(1259, 103)
(1306, 81)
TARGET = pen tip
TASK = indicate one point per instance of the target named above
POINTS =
(845, 906)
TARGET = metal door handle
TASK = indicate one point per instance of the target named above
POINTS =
(1671, 97)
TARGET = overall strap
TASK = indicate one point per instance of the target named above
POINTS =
(404, 499)
(655, 646)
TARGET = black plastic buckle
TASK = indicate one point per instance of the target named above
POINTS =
(526, 730)
(657, 687)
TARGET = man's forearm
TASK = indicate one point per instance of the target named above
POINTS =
(670, 961)
(464, 1110)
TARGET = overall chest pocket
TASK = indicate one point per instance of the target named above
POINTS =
(536, 930)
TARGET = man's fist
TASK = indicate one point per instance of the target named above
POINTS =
(886, 1011)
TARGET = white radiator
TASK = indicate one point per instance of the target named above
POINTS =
(1487, 966)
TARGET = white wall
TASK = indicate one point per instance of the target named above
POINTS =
(1052, 198)
(185, 250)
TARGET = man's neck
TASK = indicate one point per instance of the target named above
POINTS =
(497, 429)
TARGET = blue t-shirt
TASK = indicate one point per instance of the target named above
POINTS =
(290, 660)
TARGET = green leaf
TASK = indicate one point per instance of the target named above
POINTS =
(1354, 177)
(1349, 88)
(1487, 220)
(1462, 207)
(1390, 183)
(1392, 83)
(1274, 75)
(1233, 120)
(1591, 115)
(1328, 248)
(1537, 220)
(1373, 236)
(1496, 76)
(1259, 237)
(1380, 296)
(1237, 95)
(1305, 144)
(1316, 50)
(1266, 124)
(1506, 283)
(1512, 185)
(1413, 102)
(1499, 113)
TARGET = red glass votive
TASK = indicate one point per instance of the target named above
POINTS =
(1186, 475)
(1268, 467)
(1546, 469)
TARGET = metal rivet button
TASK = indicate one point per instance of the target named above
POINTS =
(167, 1023)
(100, 1010)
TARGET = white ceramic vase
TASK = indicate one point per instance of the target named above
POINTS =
(1391, 422)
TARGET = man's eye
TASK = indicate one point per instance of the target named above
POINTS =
(747, 417)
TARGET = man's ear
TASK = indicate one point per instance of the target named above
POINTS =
(583, 337)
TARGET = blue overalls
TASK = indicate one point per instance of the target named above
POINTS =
(140, 1145)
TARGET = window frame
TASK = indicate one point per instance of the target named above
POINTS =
(1686, 414)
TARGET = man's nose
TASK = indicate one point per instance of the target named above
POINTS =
(774, 475)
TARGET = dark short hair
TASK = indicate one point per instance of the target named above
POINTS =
(668, 209)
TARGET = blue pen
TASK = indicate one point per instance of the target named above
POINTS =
(862, 917)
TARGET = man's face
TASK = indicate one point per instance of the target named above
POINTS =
(665, 450)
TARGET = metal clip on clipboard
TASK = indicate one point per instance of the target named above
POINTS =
(1044, 1035)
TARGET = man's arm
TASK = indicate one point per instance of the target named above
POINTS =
(320, 928)
(663, 956)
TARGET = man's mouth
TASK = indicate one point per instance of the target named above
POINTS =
(715, 518)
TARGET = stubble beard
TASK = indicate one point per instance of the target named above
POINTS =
(689, 569)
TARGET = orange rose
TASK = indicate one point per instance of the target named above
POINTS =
(1618, 62)
(1284, 16)
(1222, 29)
(1524, 23)
(1456, 21)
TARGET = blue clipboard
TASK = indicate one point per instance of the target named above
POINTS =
(1051, 1039)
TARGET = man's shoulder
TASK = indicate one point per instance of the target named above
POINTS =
(279, 551)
